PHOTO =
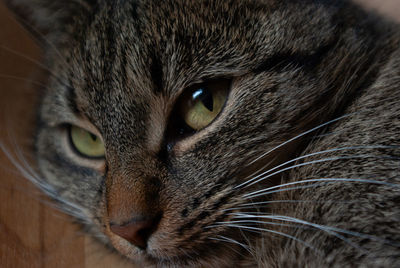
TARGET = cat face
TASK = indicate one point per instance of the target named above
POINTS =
(122, 143)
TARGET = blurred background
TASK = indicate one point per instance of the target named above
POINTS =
(32, 233)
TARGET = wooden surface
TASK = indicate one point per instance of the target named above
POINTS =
(32, 233)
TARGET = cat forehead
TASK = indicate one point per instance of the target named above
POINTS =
(125, 59)
(161, 40)
(137, 51)
(154, 46)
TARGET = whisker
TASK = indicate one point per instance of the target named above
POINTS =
(299, 136)
(261, 204)
(32, 177)
(249, 182)
(28, 172)
(353, 180)
(274, 232)
(20, 155)
(38, 33)
(328, 159)
(329, 229)
(319, 227)
(39, 64)
(34, 82)
(221, 223)
(68, 208)
(31, 194)
(264, 193)
(233, 241)
(24, 172)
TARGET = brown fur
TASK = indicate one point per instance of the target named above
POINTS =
(293, 65)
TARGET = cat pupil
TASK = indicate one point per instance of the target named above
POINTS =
(205, 96)
(94, 137)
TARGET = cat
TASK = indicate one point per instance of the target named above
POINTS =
(236, 133)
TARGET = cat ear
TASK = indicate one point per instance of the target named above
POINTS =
(47, 17)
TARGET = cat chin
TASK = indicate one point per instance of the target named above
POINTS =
(155, 256)
(148, 257)
(226, 259)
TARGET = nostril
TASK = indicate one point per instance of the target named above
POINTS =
(137, 231)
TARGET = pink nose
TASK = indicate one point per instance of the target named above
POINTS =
(137, 231)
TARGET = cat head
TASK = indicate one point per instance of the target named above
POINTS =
(158, 113)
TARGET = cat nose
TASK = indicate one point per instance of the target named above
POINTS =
(137, 231)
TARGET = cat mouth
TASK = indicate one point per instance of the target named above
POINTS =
(211, 252)
(172, 240)
(163, 249)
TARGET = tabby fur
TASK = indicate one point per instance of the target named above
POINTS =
(314, 101)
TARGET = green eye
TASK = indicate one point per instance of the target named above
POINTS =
(86, 143)
(201, 105)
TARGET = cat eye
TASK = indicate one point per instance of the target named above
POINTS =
(86, 143)
(199, 106)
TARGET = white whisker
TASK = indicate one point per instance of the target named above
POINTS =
(249, 182)
(313, 162)
(264, 193)
(274, 232)
(267, 190)
(256, 222)
(298, 136)
(69, 207)
(233, 241)
(20, 155)
(329, 229)
(317, 226)
(261, 204)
